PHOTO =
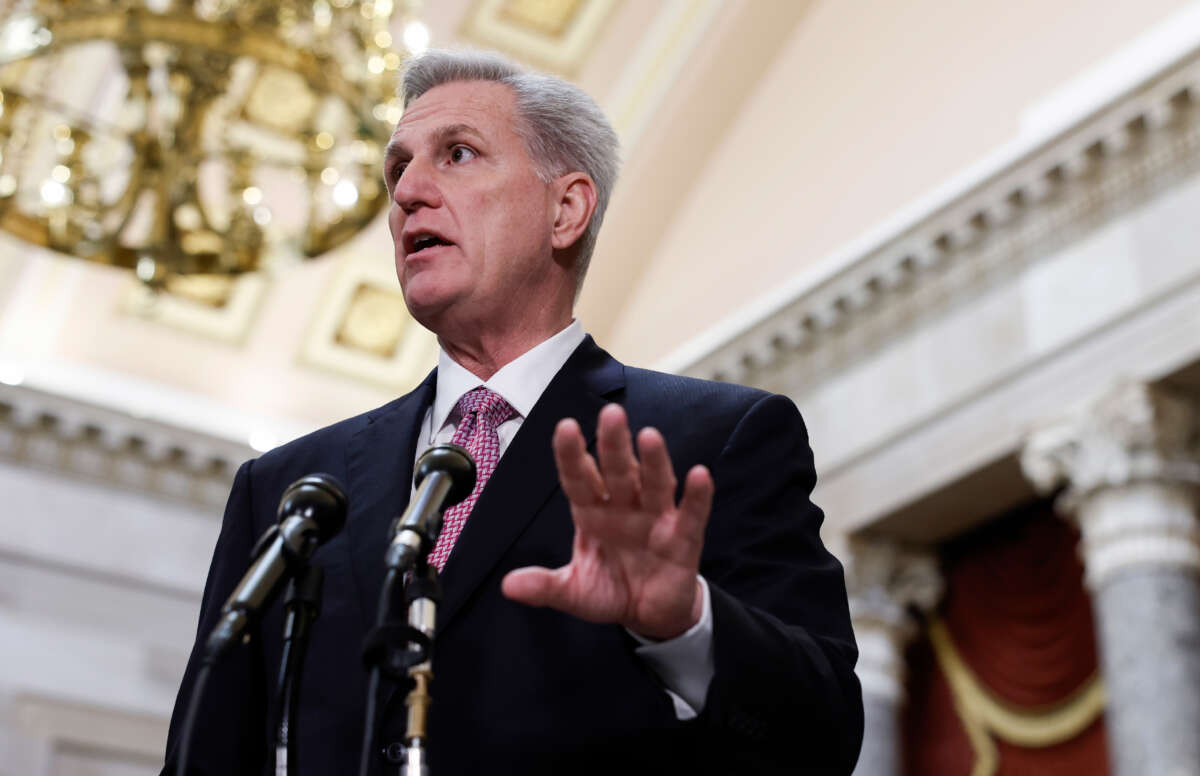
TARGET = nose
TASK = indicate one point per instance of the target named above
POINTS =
(417, 187)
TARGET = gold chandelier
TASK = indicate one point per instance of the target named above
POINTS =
(180, 138)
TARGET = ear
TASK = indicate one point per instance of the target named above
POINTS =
(573, 209)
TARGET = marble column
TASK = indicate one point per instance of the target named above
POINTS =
(1127, 468)
(887, 584)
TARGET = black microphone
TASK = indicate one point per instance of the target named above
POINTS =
(312, 511)
(445, 476)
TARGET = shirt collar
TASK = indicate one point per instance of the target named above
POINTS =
(521, 381)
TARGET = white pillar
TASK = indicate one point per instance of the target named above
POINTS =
(1128, 467)
(886, 584)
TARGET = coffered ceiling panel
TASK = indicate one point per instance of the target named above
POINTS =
(216, 306)
(361, 328)
(553, 34)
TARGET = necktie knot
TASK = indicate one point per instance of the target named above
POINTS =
(486, 405)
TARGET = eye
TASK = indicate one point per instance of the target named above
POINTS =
(460, 154)
(393, 173)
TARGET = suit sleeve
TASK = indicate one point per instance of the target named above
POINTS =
(230, 736)
(784, 694)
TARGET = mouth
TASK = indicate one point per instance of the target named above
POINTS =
(419, 242)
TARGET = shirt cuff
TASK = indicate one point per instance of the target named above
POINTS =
(684, 664)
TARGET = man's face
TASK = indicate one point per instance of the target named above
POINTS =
(470, 219)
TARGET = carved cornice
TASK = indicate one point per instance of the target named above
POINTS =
(886, 583)
(84, 440)
(1028, 200)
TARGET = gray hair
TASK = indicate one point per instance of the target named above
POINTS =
(564, 129)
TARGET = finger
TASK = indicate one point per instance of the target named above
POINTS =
(696, 504)
(577, 470)
(658, 477)
(614, 447)
(535, 586)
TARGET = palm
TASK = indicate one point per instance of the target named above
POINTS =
(636, 553)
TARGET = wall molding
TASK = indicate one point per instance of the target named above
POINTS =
(86, 440)
(1016, 205)
(55, 729)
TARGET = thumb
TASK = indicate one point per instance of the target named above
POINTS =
(535, 586)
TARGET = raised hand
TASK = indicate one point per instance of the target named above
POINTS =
(636, 553)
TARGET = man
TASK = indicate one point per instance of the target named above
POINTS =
(669, 611)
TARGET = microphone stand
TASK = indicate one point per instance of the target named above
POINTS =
(377, 655)
(423, 593)
(312, 510)
(445, 475)
(402, 653)
(302, 606)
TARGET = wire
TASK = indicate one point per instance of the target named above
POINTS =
(189, 721)
(381, 617)
(364, 762)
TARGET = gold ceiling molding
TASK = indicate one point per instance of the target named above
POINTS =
(984, 715)
(549, 17)
(362, 329)
(659, 59)
(218, 307)
(555, 35)
(375, 321)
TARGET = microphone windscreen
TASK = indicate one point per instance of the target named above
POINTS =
(319, 497)
(454, 461)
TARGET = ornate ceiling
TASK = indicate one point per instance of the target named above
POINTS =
(304, 344)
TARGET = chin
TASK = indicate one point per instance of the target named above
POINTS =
(426, 308)
(429, 292)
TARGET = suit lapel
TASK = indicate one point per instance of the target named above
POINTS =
(526, 476)
(379, 466)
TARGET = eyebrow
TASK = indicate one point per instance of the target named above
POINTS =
(397, 148)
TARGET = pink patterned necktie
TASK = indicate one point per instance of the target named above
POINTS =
(480, 413)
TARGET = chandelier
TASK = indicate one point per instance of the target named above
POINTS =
(182, 138)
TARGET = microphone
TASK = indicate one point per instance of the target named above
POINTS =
(445, 476)
(312, 511)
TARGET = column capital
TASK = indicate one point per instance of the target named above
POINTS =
(1136, 433)
(886, 581)
(1129, 466)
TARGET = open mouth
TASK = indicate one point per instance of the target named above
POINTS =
(422, 241)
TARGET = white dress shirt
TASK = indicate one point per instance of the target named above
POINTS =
(685, 663)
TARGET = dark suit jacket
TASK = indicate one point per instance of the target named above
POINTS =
(530, 691)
